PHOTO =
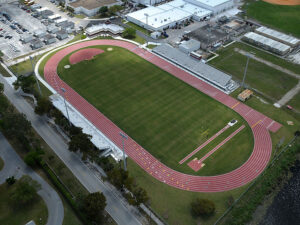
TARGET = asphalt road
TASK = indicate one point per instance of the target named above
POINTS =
(120, 212)
(15, 166)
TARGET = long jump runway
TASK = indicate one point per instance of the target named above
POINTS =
(259, 124)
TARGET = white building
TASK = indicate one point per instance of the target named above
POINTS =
(278, 36)
(167, 15)
(267, 43)
(149, 2)
(112, 28)
(189, 46)
(216, 6)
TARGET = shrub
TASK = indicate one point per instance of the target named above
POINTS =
(202, 207)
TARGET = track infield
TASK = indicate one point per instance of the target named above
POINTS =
(236, 178)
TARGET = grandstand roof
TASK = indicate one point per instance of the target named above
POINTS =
(212, 3)
(201, 69)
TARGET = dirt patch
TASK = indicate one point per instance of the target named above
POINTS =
(283, 2)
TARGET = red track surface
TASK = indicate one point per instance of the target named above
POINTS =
(84, 54)
(259, 124)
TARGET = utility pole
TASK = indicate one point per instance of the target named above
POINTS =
(245, 72)
(37, 82)
(64, 91)
(123, 136)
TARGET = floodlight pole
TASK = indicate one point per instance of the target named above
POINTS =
(37, 82)
(123, 136)
(245, 72)
(64, 91)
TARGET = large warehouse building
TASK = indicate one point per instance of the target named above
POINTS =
(167, 15)
(170, 14)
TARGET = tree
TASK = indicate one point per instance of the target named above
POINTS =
(93, 206)
(43, 106)
(202, 207)
(141, 195)
(129, 33)
(70, 9)
(114, 9)
(118, 177)
(297, 133)
(1, 88)
(34, 157)
(11, 180)
(25, 192)
(26, 83)
(103, 10)
(82, 143)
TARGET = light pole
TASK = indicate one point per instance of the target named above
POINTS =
(64, 91)
(123, 136)
(37, 82)
(245, 72)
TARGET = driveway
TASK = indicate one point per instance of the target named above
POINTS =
(15, 166)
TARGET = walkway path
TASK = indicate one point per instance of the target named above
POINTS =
(259, 123)
(15, 166)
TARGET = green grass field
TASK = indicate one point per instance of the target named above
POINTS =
(36, 211)
(295, 102)
(273, 83)
(284, 18)
(163, 114)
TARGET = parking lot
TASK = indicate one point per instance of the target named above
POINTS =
(15, 23)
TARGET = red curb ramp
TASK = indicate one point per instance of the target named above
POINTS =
(255, 164)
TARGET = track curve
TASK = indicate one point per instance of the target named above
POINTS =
(260, 126)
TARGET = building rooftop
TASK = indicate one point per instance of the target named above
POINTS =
(278, 35)
(267, 41)
(207, 34)
(167, 13)
(200, 69)
(102, 26)
(91, 4)
(212, 3)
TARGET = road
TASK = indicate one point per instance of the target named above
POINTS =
(120, 212)
(15, 166)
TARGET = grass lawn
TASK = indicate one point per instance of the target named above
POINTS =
(36, 211)
(295, 102)
(4, 72)
(258, 74)
(1, 163)
(284, 18)
(139, 28)
(163, 114)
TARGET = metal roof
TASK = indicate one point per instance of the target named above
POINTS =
(267, 41)
(201, 69)
(278, 35)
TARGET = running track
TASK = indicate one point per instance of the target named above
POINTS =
(260, 125)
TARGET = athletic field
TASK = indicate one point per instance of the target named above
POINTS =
(166, 116)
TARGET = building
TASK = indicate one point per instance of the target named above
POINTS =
(54, 17)
(67, 24)
(91, 7)
(98, 28)
(267, 43)
(26, 38)
(60, 21)
(205, 72)
(148, 2)
(52, 29)
(208, 36)
(189, 46)
(216, 6)
(278, 36)
(36, 43)
(49, 39)
(45, 14)
(61, 35)
(39, 33)
(167, 15)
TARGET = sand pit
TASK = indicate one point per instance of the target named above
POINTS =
(67, 66)
(109, 49)
(283, 2)
(84, 54)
